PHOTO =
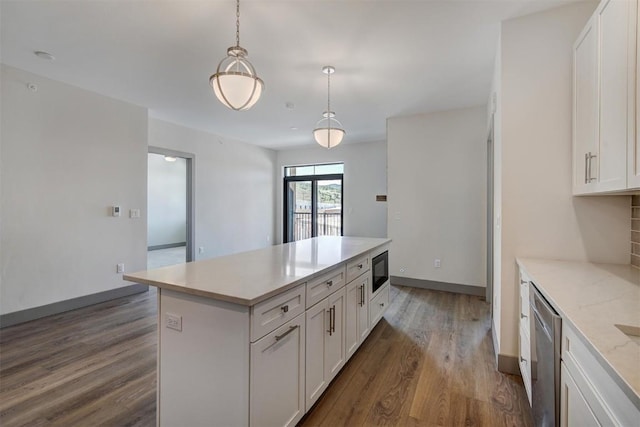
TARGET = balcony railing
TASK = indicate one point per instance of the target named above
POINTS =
(329, 224)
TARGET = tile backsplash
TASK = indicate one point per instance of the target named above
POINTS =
(635, 230)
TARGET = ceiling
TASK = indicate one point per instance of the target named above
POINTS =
(392, 57)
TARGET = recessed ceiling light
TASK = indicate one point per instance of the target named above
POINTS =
(293, 128)
(44, 55)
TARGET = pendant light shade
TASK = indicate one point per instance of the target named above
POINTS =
(235, 82)
(328, 132)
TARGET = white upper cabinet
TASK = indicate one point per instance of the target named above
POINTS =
(604, 99)
(633, 155)
(614, 91)
(585, 108)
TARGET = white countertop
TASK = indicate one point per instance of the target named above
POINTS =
(593, 298)
(250, 277)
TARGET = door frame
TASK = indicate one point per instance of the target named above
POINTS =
(191, 197)
(490, 212)
(314, 186)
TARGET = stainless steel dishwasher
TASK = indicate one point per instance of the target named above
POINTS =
(545, 390)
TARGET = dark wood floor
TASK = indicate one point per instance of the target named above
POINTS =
(428, 362)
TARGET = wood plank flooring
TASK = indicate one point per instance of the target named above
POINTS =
(429, 362)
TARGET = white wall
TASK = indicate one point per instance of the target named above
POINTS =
(234, 188)
(365, 176)
(437, 195)
(166, 201)
(540, 218)
(67, 156)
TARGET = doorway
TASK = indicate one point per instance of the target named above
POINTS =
(313, 201)
(170, 213)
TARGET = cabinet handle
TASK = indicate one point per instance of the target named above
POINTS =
(591, 157)
(291, 329)
(332, 311)
(523, 282)
(523, 316)
(522, 359)
(330, 283)
(361, 295)
(284, 308)
(586, 168)
(333, 323)
(381, 304)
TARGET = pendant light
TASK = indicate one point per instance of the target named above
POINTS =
(328, 131)
(235, 82)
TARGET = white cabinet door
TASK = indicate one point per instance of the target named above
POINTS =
(325, 344)
(585, 108)
(334, 339)
(574, 410)
(356, 314)
(611, 162)
(277, 376)
(317, 326)
(351, 317)
(363, 310)
(633, 153)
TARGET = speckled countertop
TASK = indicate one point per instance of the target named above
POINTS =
(250, 277)
(593, 298)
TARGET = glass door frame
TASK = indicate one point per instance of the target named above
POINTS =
(314, 206)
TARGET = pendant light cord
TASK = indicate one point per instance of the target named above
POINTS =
(329, 101)
(238, 23)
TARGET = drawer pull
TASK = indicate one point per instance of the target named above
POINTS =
(381, 304)
(523, 360)
(523, 316)
(291, 329)
(523, 282)
(360, 266)
(284, 308)
(330, 283)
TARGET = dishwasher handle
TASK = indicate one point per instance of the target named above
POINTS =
(542, 308)
(548, 320)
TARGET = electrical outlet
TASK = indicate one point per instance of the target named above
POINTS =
(173, 321)
(436, 263)
(402, 269)
(201, 250)
(134, 213)
(120, 268)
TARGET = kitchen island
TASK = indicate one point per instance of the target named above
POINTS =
(255, 338)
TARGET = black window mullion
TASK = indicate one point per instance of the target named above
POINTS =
(314, 207)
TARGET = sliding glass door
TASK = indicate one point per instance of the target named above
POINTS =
(312, 203)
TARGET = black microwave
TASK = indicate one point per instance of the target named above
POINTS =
(380, 269)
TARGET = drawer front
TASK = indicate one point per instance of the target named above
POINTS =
(524, 287)
(276, 311)
(525, 360)
(323, 286)
(358, 266)
(378, 305)
(606, 399)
